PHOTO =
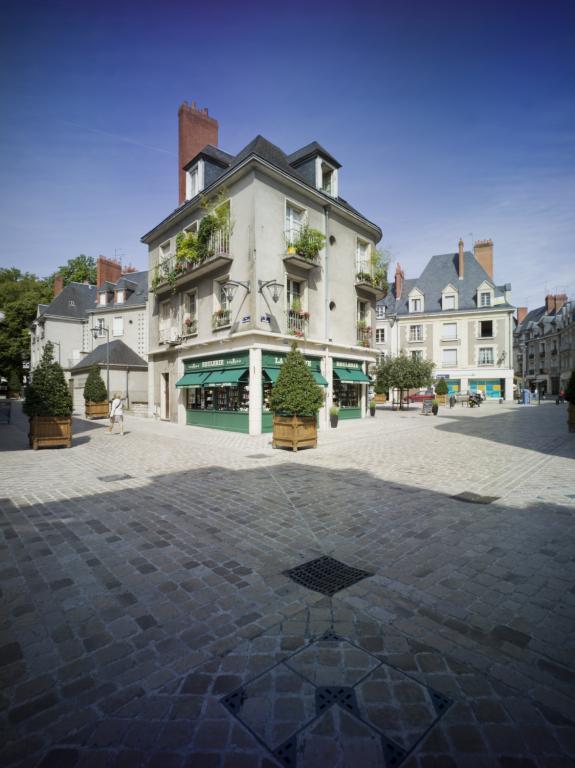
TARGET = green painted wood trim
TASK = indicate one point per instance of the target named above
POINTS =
(350, 413)
(232, 421)
(267, 421)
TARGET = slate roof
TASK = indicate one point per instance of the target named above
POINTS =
(272, 154)
(134, 282)
(440, 271)
(212, 153)
(73, 301)
(120, 355)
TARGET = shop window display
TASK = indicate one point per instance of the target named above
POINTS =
(218, 398)
(346, 395)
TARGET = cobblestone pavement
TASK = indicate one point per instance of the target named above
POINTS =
(147, 619)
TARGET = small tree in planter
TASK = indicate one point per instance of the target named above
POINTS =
(441, 390)
(95, 395)
(334, 415)
(295, 401)
(570, 397)
(49, 404)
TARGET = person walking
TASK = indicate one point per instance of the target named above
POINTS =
(116, 413)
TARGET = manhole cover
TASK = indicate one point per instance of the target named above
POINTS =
(474, 498)
(113, 478)
(326, 575)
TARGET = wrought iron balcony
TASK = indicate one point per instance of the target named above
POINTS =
(364, 335)
(296, 322)
(221, 318)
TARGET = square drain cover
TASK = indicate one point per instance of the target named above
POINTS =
(326, 575)
(474, 498)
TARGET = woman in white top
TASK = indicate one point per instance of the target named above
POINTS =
(116, 413)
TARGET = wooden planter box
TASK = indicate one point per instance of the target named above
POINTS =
(50, 431)
(97, 410)
(294, 432)
(441, 399)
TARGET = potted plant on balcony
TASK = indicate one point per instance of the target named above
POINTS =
(295, 400)
(570, 397)
(441, 390)
(48, 404)
(334, 415)
(309, 243)
(95, 395)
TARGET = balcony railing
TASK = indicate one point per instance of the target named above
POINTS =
(171, 268)
(169, 335)
(221, 318)
(296, 322)
(190, 328)
(364, 335)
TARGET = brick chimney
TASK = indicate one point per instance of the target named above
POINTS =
(58, 285)
(195, 130)
(521, 314)
(399, 278)
(483, 252)
(554, 303)
(107, 271)
(460, 260)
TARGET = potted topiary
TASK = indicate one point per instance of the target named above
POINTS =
(441, 390)
(434, 407)
(295, 400)
(570, 397)
(372, 407)
(333, 415)
(95, 395)
(48, 404)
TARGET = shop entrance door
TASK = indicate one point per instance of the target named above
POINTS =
(165, 397)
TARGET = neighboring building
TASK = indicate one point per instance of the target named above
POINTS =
(544, 344)
(455, 315)
(83, 317)
(220, 330)
(128, 373)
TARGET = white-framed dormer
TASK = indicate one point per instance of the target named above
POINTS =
(102, 298)
(195, 179)
(120, 296)
(449, 298)
(485, 295)
(326, 177)
(416, 301)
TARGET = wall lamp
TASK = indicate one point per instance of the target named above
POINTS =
(274, 287)
(230, 287)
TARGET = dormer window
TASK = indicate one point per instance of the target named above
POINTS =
(195, 180)
(326, 177)
(102, 298)
(449, 301)
(485, 299)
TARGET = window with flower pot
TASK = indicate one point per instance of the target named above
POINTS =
(296, 311)
(294, 223)
(223, 311)
(190, 315)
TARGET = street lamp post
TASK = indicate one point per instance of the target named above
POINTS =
(97, 331)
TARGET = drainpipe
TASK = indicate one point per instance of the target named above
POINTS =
(326, 210)
(127, 390)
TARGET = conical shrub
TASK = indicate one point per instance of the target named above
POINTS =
(48, 394)
(295, 391)
(94, 389)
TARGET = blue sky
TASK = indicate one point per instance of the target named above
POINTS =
(451, 119)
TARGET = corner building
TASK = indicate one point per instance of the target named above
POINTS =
(221, 325)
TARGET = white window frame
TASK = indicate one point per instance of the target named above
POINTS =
(101, 323)
(362, 311)
(480, 352)
(416, 354)
(415, 333)
(445, 337)
(488, 302)
(362, 256)
(198, 171)
(193, 227)
(380, 311)
(120, 296)
(292, 224)
(444, 362)
(380, 335)
(449, 297)
(118, 322)
(320, 165)
(290, 295)
(102, 299)
(164, 251)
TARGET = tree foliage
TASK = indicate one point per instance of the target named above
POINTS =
(441, 387)
(20, 294)
(570, 390)
(295, 391)
(48, 394)
(78, 270)
(94, 389)
(14, 382)
(402, 373)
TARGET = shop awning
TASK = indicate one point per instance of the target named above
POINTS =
(319, 379)
(192, 379)
(351, 376)
(224, 377)
(272, 374)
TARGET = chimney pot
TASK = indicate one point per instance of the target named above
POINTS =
(460, 260)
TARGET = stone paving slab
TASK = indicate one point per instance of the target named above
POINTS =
(132, 608)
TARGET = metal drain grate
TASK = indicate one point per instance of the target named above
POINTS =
(113, 478)
(342, 695)
(326, 575)
(474, 498)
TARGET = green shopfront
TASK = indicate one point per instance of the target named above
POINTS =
(271, 366)
(348, 379)
(217, 392)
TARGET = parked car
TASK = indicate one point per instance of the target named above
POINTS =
(420, 396)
